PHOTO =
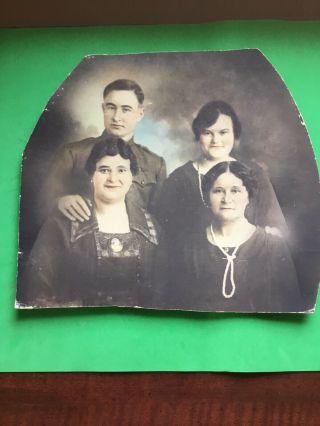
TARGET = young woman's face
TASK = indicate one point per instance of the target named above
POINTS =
(217, 141)
(228, 198)
(112, 179)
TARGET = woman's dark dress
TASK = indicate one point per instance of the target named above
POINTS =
(74, 264)
(264, 275)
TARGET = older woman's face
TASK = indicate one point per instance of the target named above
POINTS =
(217, 141)
(112, 179)
(228, 198)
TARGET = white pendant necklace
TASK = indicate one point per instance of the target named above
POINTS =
(230, 266)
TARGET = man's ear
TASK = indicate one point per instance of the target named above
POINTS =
(103, 106)
(141, 113)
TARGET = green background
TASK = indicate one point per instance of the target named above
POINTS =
(33, 63)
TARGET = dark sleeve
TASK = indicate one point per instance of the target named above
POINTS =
(58, 182)
(285, 291)
(160, 275)
(157, 190)
(184, 265)
(156, 258)
(266, 208)
(37, 284)
(169, 204)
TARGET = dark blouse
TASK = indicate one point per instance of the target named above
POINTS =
(118, 269)
(264, 276)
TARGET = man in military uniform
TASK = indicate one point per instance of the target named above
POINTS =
(68, 184)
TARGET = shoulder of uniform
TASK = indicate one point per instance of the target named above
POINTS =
(143, 149)
(82, 143)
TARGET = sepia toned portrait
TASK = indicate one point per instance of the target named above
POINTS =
(173, 181)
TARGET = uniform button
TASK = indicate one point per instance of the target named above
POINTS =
(142, 182)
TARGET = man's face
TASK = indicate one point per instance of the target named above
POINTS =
(122, 112)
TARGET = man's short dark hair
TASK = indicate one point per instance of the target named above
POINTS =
(209, 114)
(124, 84)
(111, 146)
(235, 167)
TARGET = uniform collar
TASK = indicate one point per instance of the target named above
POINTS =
(130, 141)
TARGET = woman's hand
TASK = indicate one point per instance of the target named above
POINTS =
(74, 207)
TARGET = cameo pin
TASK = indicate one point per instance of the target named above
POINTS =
(116, 245)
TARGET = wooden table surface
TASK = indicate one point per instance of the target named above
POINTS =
(37, 13)
(159, 399)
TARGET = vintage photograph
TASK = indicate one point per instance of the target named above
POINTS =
(172, 181)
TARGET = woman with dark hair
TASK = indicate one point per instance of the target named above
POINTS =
(109, 259)
(217, 129)
(234, 265)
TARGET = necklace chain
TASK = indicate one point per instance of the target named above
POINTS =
(229, 266)
(200, 185)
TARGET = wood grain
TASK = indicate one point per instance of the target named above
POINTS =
(37, 13)
(159, 399)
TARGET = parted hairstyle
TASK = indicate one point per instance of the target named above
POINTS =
(236, 168)
(124, 84)
(209, 114)
(111, 146)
